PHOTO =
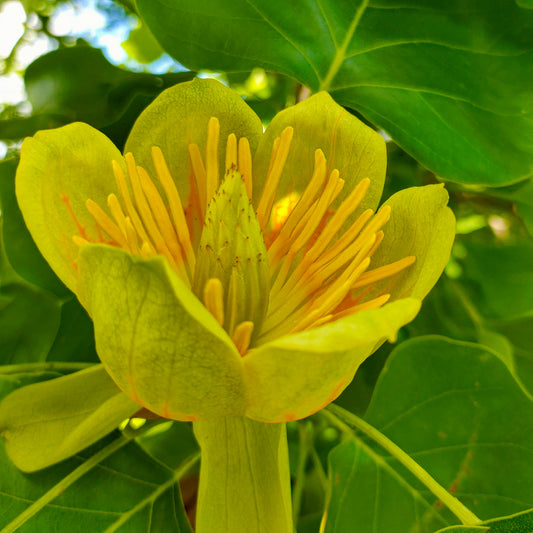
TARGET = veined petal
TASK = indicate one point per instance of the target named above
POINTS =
(180, 115)
(59, 170)
(351, 147)
(295, 376)
(47, 422)
(157, 341)
(421, 225)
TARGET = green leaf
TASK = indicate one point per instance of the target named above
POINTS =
(75, 337)
(520, 334)
(80, 84)
(368, 492)
(501, 278)
(24, 308)
(18, 251)
(47, 422)
(18, 128)
(518, 523)
(169, 443)
(456, 410)
(416, 69)
(141, 45)
(521, 194)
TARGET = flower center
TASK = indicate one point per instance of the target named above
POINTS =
(290, 265)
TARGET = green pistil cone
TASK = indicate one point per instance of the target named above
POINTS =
(232, 249)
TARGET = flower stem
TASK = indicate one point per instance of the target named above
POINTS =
(244, 477)
(335, 413)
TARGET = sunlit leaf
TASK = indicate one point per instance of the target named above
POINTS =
(500, 278)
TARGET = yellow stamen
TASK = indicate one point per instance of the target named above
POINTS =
(242, 336)
(211, 159)
(79, 241)
(214, 299)
(147, 250)
(231, 152)
(381, 273)
(146, 213)
(245, 164)
(288, 302)
(275, 147)
(117, 213)
(200, 176)
(132, 237)
(331, 191)
(280, 246)
(126, 198)
(310, 265)
(104, 222)
(175, 205)
(333, 296)
(371, 304)
(159, 210)
(348, 206)
(379, 220)
(379, 237)
(272, 180)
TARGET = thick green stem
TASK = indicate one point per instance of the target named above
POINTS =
(244, 477)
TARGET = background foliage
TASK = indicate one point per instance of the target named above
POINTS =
(449, 83)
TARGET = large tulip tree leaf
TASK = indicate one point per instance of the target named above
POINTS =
(459, 414)
(449, 81)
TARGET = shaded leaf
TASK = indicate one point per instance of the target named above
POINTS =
(501, 278)
(518, 523)
(169, 442)
(521, 194)
(25, 309)
(457, 411)
(17, 249)
(416, 69)
(80, 84)
(18, 128)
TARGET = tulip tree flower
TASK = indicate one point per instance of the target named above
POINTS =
(234, 278)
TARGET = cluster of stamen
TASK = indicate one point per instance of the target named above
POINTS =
(318, 253)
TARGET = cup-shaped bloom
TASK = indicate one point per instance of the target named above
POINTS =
(231, 272)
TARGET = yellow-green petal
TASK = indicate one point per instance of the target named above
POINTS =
(180, 115)
(158, 342)
(422, 225)
(295, 376)
(350, 146)
(59, 170)
(47, 422)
